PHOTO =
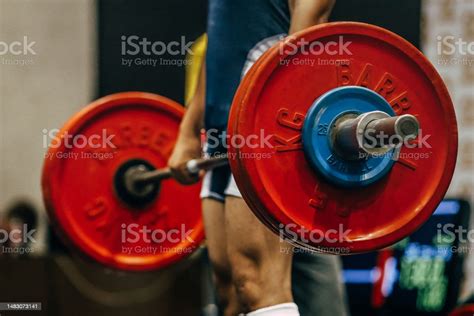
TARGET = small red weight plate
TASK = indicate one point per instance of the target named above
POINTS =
(467, 310)
(78, 184)
(278, 183)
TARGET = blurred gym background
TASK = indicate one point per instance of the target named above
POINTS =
(78, 59)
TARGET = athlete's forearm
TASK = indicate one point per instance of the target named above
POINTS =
(306, 13)
(193, 120)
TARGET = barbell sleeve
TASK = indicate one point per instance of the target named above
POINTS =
(372, 133)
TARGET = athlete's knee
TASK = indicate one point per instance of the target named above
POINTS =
(247, 281)
(260, 281)
(249, 291)
(222, 276)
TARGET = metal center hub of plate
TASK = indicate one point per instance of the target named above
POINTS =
(130, 193)
(333, 164)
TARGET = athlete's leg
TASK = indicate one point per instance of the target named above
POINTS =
(214, 224)
(260, 262)
(213, 198)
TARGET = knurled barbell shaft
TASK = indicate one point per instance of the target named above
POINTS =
(194, 166)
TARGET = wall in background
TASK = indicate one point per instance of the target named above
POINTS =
(41, 91)
(124, 23)
(401, 17)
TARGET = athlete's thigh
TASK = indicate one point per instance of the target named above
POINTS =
(214, 225)
(252, 245)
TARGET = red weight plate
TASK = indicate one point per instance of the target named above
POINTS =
(467, 310)
(78, 184)
(278, 183)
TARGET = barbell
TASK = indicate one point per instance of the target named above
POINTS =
(362, 147)
(135, 181)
